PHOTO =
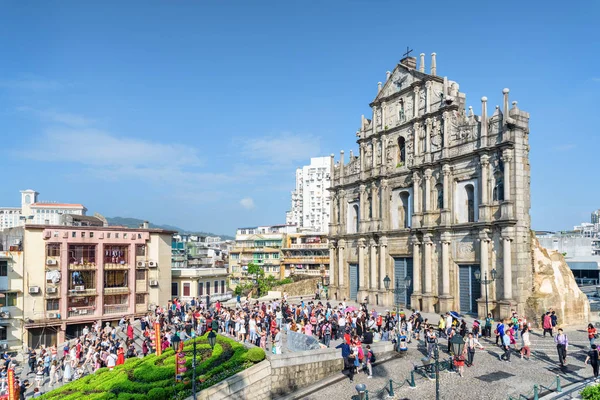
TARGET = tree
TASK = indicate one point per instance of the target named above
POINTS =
(256, 270)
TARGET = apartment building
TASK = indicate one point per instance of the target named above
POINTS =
(306, 254)
(259, 245)
(55, 280)
(310, 199)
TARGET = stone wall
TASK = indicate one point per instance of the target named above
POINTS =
(282, 374)
(554, 287)
(306, 287)
(253, 383)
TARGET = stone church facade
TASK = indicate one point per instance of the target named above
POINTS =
(435, 194)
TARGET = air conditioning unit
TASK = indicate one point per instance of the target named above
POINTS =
(141, 264)
(153, 282)
(80, 288)
(51, 262)
(52, 315)
(51, 290)
(152, 264)
(34, 289)
(4, 314)
(83, 312)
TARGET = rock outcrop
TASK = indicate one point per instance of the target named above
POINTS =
(554, 287)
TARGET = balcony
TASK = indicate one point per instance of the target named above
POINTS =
(116, 266)
(117, 290)
(309, 272)
(83, 267)
(309, 246)
(116, 309)
(306, 260)
(82, 292)
(81, 311)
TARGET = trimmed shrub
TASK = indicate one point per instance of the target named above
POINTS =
(157, 394)
(255, 354)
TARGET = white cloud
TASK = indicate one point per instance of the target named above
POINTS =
(247, 203)
(282, 150)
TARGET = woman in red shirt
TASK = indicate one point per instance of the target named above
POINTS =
(592, 332)
(120, 356)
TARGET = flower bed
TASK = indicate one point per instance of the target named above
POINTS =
(153, 377)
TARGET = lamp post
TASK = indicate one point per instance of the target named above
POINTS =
(194, 364)
(458, 343)
(485, 282)
(397, 291)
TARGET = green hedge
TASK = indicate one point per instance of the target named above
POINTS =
(153, 377)
(591, 393)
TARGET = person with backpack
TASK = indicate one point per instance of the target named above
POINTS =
(592, 357)
(326, 333)
(370, 359)
(430, 338)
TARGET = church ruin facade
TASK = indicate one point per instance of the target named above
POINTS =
(437, 195)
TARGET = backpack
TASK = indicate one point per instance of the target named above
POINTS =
(373, 359)
(328, 329)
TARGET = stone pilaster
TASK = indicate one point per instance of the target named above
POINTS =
(427, 97)
(416, 219)
(385, 205)
(446, 215)
(361, 266)
(341, 264)
(373, 266)
(416, 138)
(362, 208)
(416, 278)
(383, 257)
(332, 256)
(507, 303)
(416, 102)
(484, 257)
(484, 180)
(446, 300)
(428, 297)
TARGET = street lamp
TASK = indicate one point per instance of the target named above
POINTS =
(397, 290)
(194, 364)
(212, 339)
(458, 343)
(361, 389)
(485, 281)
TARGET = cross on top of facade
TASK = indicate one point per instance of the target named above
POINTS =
(408, 51)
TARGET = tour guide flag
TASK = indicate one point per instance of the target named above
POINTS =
(158, 343)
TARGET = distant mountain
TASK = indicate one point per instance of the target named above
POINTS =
(135, 223)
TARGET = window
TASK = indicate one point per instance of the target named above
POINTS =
(87, 279)
(73, 234)
(113, 279)
(116, 255)
(124, 236)
(174, 289)
(83, 234)
(140, 275)
(401, 150)
(216, 287)
(470, 203)
(208, 288)
(370, 200)
(82, 254)
(356, 217)
(91, 234)
(3, 333)
(200, 288)
(3, 268)
(140, 250)
(140, 298)
(439, 191)
(9, 300)
(116, 235)
(186, 289)
(52, 305)
(404, 210)
(222, 286)
(498, 192)
(108, 235)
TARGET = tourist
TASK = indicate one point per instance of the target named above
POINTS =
(53, 373)
(120, 355)
(592, 333)
(547, 324)
(111, 361)
(470, 345)
(39, 375)
(349, 365)
(592, 357)
(553, 320)
(430, 339)
(525, 343)
(562, 345)
(369, 360)
(506, 347)
(277, 341)
(487, 330)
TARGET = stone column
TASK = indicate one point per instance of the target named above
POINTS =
(416, 221)
(375, 201)
(446, 118)
(445, 213)
(507, 260)
(507, 158)
(417, 289)
(416, 102)
(342, 228)
(374, 123)
(427, 197)
(341, 265)
(382, 261)
(383, 112)
(484, 256)
(373, 153)
(428, 296)
(446, 299)
(385, 205)
(484, 163)
(361, 265)
(332, 251)
(373, 266)
(383, 153)
(427, 97)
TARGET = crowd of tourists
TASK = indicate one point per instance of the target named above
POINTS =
(264, 324)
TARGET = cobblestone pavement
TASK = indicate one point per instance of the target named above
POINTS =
(488, 378)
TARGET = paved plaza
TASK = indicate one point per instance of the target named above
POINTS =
(488, 378)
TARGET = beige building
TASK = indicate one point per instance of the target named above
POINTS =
(305, 254)
(67, 277)
(200, 283)
(436, 194)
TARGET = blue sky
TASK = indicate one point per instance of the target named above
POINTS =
(196, 113)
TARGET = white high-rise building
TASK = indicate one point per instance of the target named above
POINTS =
(37, 212)
(310, 199)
